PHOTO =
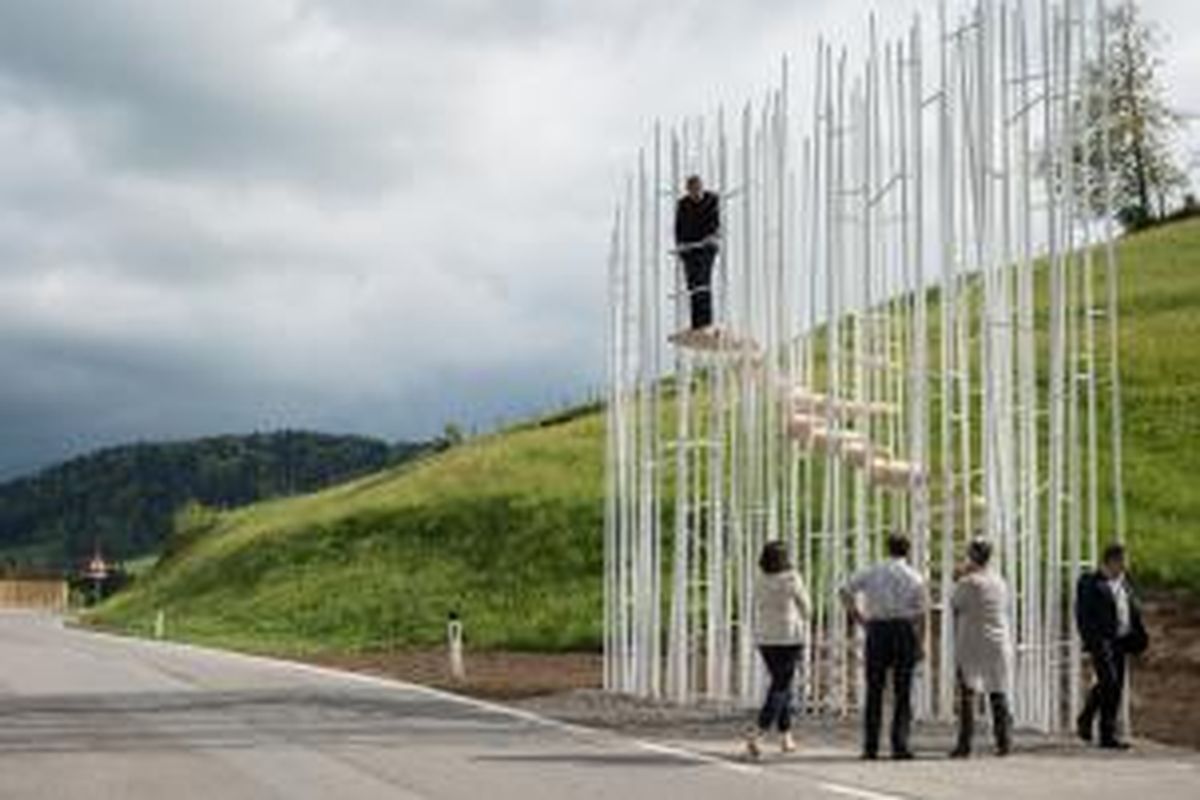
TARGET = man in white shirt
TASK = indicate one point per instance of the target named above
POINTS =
(894, 602)
(1120, 594)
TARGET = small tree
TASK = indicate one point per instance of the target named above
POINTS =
(452, 434)
(1139, 124)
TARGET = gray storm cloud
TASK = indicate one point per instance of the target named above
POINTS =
(357, 215)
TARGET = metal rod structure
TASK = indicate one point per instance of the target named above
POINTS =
(876, 363)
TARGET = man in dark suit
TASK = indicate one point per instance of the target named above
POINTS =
(697, 228)
(1110, 623)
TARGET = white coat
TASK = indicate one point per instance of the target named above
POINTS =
(982, 634)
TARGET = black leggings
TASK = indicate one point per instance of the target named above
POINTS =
(781, 662)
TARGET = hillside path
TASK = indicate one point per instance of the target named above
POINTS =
(85, 715)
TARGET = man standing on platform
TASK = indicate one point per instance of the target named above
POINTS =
(1110, 623)
(894, 615)
(697, 232)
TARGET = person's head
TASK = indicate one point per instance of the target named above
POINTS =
(979, 552)
(1112, 562)
(694, 186)
(898, 545)
(774, 558)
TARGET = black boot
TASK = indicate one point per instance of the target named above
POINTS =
(1086, 720)
(1083, 726)
(1001, 723)
(966, 723)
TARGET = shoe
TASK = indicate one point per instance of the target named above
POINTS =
(786, 743)
(1115, 744)
(960, 752)
(1083, 728)
(869, 756)
(753, 751)
(903, 755)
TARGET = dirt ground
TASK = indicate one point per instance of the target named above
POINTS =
(1166, 681)
(491, 674)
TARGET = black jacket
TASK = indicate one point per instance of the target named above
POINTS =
(696, 220)
(1096, 614)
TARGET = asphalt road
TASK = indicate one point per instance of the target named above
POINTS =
(91, 716)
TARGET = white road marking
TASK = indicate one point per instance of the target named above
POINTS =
(574, 729)
(861, 794)
(693, 755)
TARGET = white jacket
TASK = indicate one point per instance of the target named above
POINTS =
(983, 645)
(781, 609)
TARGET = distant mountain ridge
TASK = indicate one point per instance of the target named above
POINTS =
(125, 497)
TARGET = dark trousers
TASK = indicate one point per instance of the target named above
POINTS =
(1108, 663)
(1001, 719)
(892, 647)
(781, 662)
(698, 269)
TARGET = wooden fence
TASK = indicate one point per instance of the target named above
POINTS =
(48, 594)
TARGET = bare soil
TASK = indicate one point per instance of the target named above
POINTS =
(495, 675)
(1166, 680)
(1165, 700)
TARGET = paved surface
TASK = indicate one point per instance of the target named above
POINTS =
(90, 716)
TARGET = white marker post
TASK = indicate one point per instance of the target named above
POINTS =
(454, 642)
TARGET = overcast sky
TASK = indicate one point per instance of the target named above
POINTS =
(371, 216)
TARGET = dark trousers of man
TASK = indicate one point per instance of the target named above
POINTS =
(781, 663)
(1001, 719)
(698, 269)
(1108, 663)
(892, 647)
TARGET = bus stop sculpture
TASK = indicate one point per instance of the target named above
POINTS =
(916, 329)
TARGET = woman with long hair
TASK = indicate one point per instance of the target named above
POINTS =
(781, 612)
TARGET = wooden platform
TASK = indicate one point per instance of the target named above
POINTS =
(807, 401)
(852, 446)
(895, 474)
(715, 339)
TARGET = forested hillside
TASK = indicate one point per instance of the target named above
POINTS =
(125, 497)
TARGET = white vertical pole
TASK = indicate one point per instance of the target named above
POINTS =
(657, 455)
(1074, 376)
(919, 367)
(951, 497)
(611, 488)
(677, 672)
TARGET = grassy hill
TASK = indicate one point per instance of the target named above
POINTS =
(503, 529)
(506, 529)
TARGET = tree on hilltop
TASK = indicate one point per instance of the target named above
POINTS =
(1139, 125)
